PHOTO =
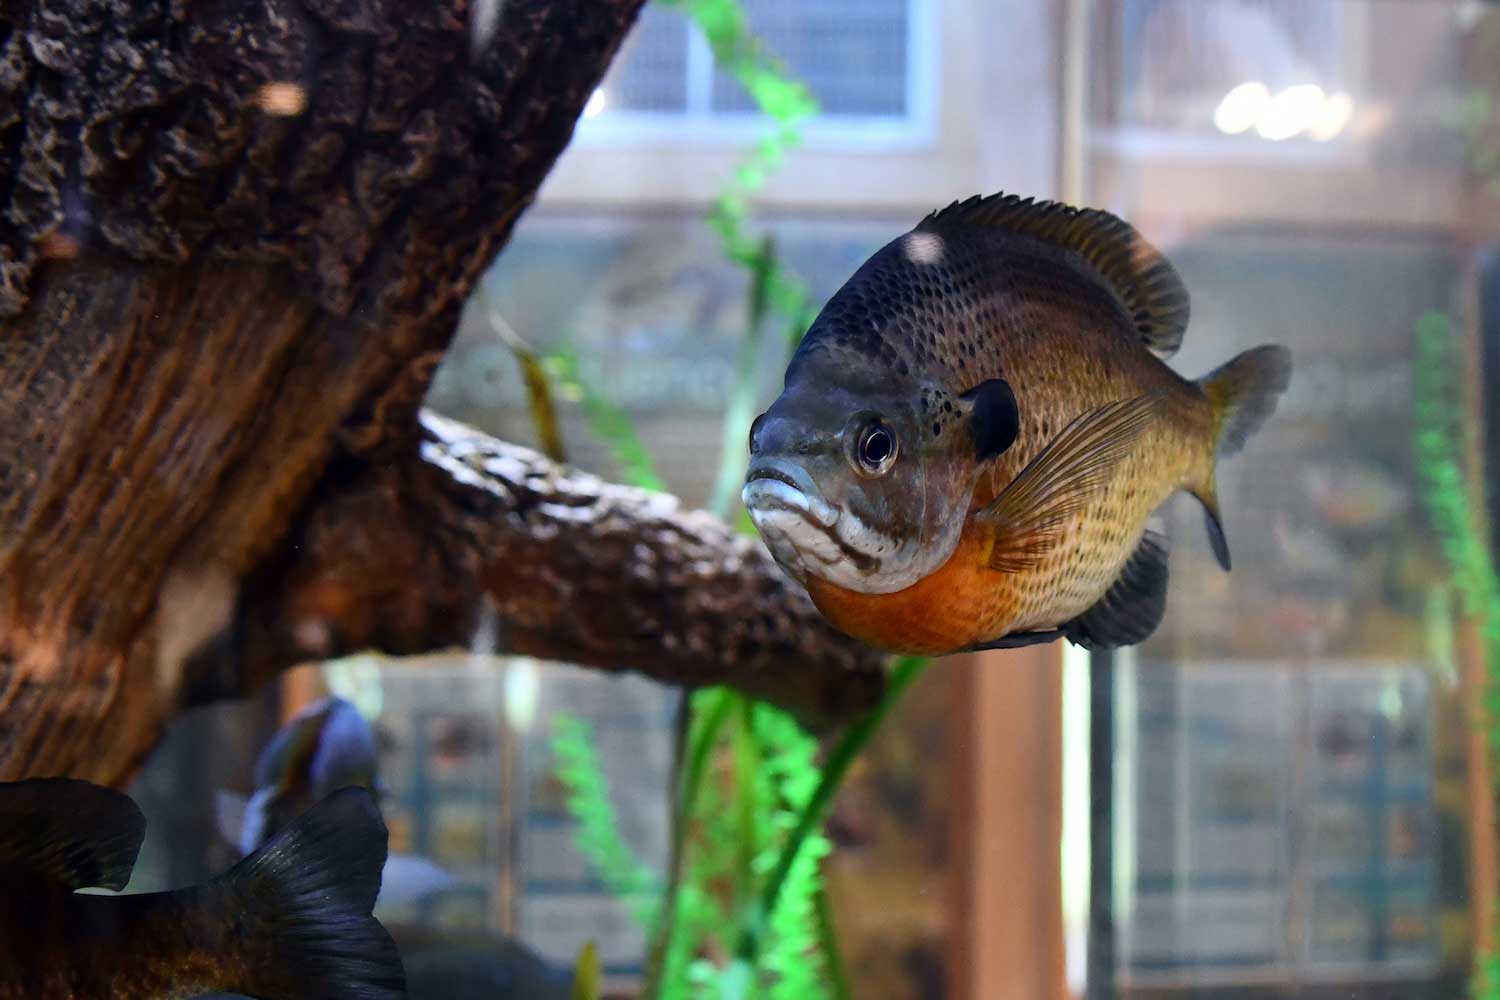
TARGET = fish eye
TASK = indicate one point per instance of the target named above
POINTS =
(875, 448)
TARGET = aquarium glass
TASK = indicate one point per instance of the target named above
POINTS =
(1290, 801)
(1288, 790)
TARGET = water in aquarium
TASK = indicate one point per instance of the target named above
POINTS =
(750, 500)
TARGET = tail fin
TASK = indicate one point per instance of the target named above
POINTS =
(1242, 394)
(307, 894)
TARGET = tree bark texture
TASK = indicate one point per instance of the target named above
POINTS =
(236, 239)
(576, 568)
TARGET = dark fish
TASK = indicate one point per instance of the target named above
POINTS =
(978, 425)
(326, 746)
(448, 963)
(290, 921)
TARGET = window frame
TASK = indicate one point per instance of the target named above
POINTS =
(700, 125)
(972, 141)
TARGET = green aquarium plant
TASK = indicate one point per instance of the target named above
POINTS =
(587, 974)
(748, 802)
(598, 834)
(787, 103)
(742, 910)
(1442, 440)
(1450, 489)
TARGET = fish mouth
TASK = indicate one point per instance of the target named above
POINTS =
(773, 485)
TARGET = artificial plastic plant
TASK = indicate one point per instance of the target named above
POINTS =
(743, 911)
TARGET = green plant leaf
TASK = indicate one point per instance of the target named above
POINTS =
(598, 837)
(586, 973)
(609, 423)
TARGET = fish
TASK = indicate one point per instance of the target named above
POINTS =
(330, 743)
(326, 746)
(291, 920)
(974, 431)
(450, 963)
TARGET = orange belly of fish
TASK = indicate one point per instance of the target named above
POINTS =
(959, 605)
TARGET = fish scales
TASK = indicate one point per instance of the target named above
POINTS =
(146, 946)
(290, 921)
(1054, 321)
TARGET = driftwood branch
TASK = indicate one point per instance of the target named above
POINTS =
(234, 244)
(402, 556)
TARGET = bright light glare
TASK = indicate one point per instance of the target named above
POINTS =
(1301, 108)
(598, 101)
(521, 690)
(1332, 117)
(282, 98)
(1291, 111)
(1241, 107)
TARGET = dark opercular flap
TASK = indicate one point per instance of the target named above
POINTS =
(995, 418)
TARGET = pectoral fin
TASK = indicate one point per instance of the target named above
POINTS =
(1030, 514)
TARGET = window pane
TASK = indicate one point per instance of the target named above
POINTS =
(851, 53)
(650, 73)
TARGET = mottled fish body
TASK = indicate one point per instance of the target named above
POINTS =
(977, 427)
(290, 921)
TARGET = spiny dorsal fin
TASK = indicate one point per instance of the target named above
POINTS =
(1030, 514)
(1145, 281)
(1133, 605)
(76, 834)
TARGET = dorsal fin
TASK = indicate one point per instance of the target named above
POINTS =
(1145, 281)
(76, 834)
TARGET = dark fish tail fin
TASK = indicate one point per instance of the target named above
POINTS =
(1242, 394)
(304, 900)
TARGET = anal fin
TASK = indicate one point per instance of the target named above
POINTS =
(1016, 640)
(1215, 527)
(1132, 607)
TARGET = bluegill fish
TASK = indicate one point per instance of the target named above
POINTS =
(976, 428)
(449, 963)
(326, 746)
(290, 921)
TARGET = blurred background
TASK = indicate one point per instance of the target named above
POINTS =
(1279, 794)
